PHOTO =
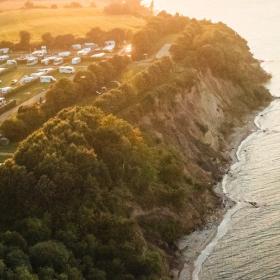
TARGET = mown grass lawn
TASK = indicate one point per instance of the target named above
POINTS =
(17, 4)
(61, 21)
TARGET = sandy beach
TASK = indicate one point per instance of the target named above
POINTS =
(190, 246)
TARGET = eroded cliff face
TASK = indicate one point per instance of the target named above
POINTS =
(198, 124)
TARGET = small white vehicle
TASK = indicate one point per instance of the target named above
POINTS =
(37, 75)
(2, 101)
(66, 69)
(40, 53)
(11, 62)
(4, 58)
(26, 80)
(45, 61)
(5, 90)
(46, 70)
(84, 52)
(90, 45)
(32, 60)
(64, 54)
(76, 60)
(98, 55)
(14, 82)
(4, 50)
(58, 61)
(109, 46)
(47, 79)
(76, 47)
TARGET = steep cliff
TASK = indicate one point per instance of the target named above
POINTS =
(199, 124)
(93, 196)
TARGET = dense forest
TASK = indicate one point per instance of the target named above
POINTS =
(88, 195)
(81, 187)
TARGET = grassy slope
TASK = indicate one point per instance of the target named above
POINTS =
(60, 21)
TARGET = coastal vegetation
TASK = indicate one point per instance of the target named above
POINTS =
(76, 212)
(89, 195)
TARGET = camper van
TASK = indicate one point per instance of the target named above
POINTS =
(46, 70)
(11, 62)
(26, 80)
(4, 50)
(40, 53)
(76, 60)
(45, 61)
(48, 60)
(2, 101)
(47, 79)
(64, 54)
(84, 52)
(5, 90)
(58, 61)
(36, 75)
(76, 47)
(32, 60)
(109, 46)
(4, 58)
(98, 55)
(90, 45)
(66, 70)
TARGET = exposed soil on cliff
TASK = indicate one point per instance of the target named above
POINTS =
(205, 126)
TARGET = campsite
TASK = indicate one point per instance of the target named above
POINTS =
(35, 59)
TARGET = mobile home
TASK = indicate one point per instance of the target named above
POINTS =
(47, 79)
(46, 70)
(11, 62)
(4, 50)
(32, 60)
(26, 80)
(67, 69)
(45, 61)
(37, 75)
(4, 58)
(90, 45)
(5, 90)
(84, 52)
(109, 46)
(98, 55)
(76, 60)
(76, 47)
(40, 53)
(64, 54)
(2, 101)
(58, 61)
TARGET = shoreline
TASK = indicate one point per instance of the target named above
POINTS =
(190, 246)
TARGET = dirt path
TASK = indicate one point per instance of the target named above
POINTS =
(14, 110)
(164, 51)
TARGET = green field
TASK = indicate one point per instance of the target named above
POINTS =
(18, 4)
(61, 21)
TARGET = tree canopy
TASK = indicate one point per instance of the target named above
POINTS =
(76, 186)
